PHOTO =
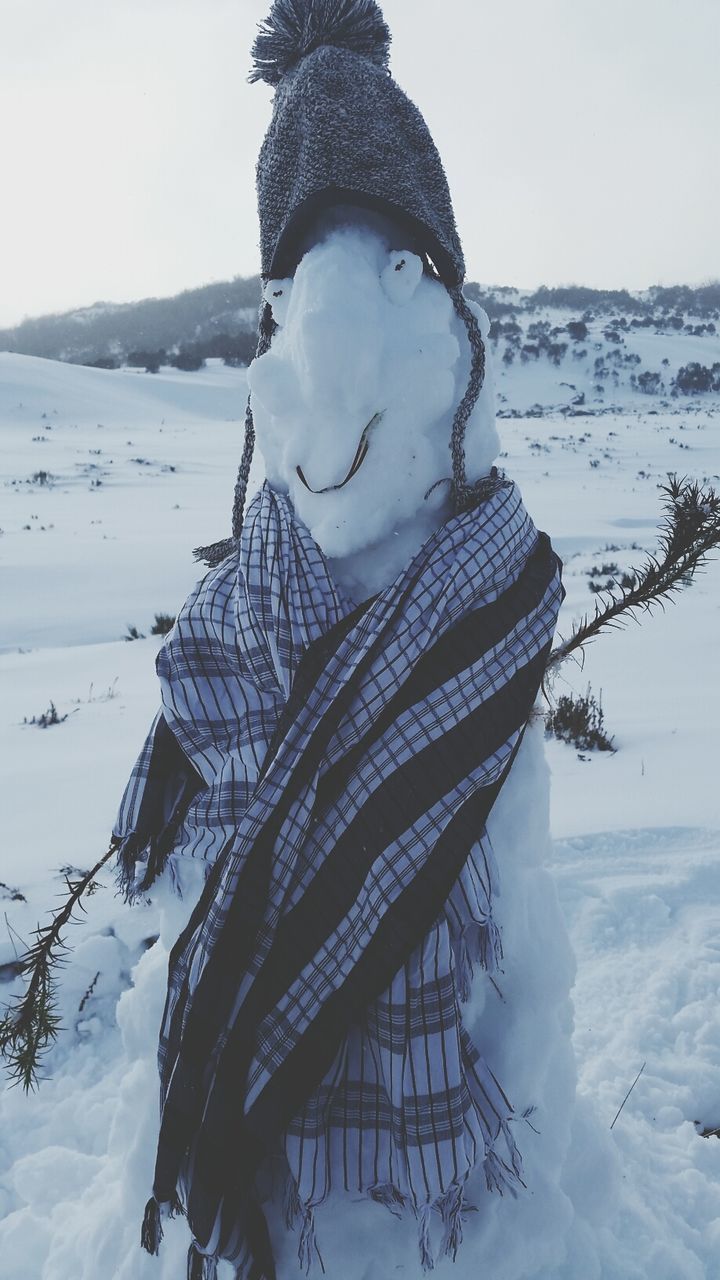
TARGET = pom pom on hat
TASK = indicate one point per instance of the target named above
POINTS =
(294, 28)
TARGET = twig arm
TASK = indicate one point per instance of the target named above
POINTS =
(28, 1026)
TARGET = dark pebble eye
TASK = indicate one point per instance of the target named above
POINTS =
(399, 265)
(278, 293)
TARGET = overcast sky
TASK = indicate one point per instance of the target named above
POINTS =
(580, 139)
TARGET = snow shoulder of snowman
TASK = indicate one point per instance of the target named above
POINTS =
(344, 695)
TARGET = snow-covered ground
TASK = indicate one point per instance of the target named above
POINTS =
(540, 367)
(636, 855)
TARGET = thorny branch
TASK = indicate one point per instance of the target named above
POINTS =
(30, 1025)
(689, 533)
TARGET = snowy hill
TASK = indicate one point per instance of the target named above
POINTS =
(108, 479)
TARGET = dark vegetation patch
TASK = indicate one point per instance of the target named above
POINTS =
(579, 720)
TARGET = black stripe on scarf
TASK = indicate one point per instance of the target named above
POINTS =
(458, 648)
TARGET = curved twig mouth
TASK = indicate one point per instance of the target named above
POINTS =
(360, 456)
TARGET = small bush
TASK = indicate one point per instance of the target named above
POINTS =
(11, 895)
(694, 377)
(578, 330)
(188, 360)
(149, 360)
(163, 623)
(580, 722)
(613, 577)
(47, 718)
(103, 362)
(649, 383)
(133, 634)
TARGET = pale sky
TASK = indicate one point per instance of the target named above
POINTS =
(580, 140)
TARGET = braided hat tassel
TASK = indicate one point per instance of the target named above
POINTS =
(216, 552)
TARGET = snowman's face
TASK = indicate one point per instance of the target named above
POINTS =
(353, 403)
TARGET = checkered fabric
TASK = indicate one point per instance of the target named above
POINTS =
(339, 765)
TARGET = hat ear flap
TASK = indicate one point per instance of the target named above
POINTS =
(402, 276)
(277, 294)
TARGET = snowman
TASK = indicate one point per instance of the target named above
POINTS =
(342, 806)
(365, 335)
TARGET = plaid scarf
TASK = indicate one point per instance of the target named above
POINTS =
(336, 765)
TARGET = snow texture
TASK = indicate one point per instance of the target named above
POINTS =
(630, 875)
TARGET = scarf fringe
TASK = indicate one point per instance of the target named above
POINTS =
(499, 1175)
(292, 1208)
(426, 1258)
(388, 1195)
(177, 1208)
(125, 878)
(451, 1210)
(151, 1232)
(134, 877)
(480, 943)
(308, 1244)
(295, 1211)
(199, 1265)
(450, 1207)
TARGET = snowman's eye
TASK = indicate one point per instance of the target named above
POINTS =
(401, 276)
(277, 294)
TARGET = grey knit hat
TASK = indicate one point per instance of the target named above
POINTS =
(343, 132)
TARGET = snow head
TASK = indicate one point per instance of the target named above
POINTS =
(353, 404)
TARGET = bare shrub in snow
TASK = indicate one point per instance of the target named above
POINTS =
(580, 722)
(163, 623)
(47, 718)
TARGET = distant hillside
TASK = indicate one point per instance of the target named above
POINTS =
(573, 349)
(702, 301)
(109, 332)
(220, 320)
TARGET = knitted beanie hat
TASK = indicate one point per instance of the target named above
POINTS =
(343, 132)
